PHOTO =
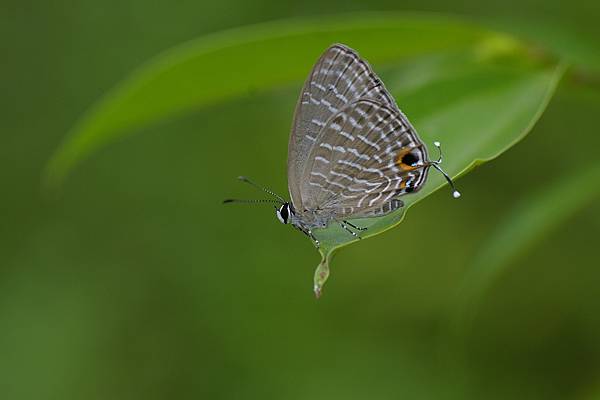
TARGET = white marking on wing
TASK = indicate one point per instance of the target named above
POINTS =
(410, 181)
(351, 164)
(327, 104)
(389, 196)
(384, 136)
(323, 188)
(352, 189)
(332, 183)
(354, 122)
(317, 122)
(346, 135)
(318, 86)
(363, 114)
(319, 175)
(359, 204)
(359, 155)
(375, 171)
(367, 141)
(336, 92)
(336, 184)
(381, 192)
(398, 182)
(393, 167)
(341, 175)
(366, 182)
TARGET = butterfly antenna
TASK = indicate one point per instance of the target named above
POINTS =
(438, 145)
(250, 201)
(435, 164)
(248, 181)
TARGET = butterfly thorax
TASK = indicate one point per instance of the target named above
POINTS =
(308, 219)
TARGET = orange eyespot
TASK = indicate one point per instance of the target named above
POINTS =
(406, 160)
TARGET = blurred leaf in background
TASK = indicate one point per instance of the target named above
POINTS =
(536, 217)
(136, 283)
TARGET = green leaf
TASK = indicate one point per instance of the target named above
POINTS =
(232, 63)
(476, 91)
(558, 37)
(532, 220)
(477, 113)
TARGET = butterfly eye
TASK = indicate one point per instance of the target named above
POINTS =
(283, 213)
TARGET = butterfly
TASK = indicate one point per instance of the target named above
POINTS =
(352, 153)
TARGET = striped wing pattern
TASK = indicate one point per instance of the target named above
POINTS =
(365, 156)
(339, 78)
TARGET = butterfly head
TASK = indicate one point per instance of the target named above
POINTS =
(283, 213)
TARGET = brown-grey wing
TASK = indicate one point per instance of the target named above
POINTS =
(366, 156)
(340, 77)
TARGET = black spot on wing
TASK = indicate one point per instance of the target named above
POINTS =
(409, 159)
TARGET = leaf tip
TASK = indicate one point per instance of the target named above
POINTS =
(321, 275)
(317, 290)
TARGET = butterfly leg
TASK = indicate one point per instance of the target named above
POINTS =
(309, 233)
(314, 239)
(343, 225)
(358, 228)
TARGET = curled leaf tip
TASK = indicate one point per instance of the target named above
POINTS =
(321, 275)
(317, 291)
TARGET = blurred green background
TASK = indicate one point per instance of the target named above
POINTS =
(136, 283)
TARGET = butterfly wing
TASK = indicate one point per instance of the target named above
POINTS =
(366, 156)
(339, 78)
